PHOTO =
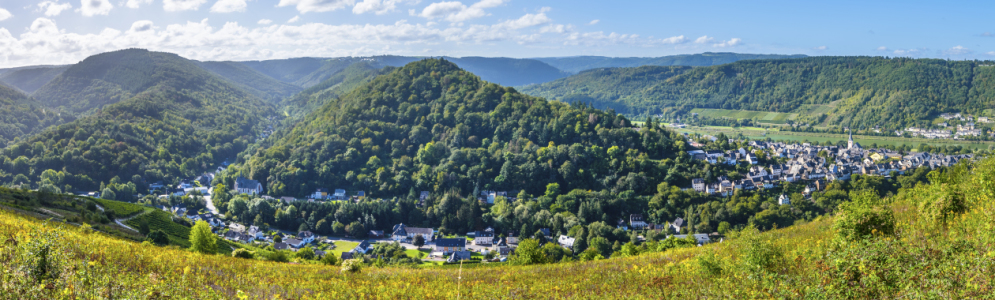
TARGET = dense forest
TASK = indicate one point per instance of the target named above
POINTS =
(575, 64)
(863, 91)
(30, 79)
(333, 86)
(260, 85)
(184, 121)
(21, 116)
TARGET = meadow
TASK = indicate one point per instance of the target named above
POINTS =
(931, 241)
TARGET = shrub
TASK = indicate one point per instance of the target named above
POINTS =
(861, 218)
(330, 259)
(352, 265)
(158, 237)
(710, 264)
(242, 253)
(761, 254)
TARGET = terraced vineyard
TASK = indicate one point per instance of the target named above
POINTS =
(121, 209)
(762, 116)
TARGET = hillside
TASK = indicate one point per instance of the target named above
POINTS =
(332, 86)
(929, 236)
(397, 132)
(863, 91)
(30, 80)
(21, 116)
(287, 70)
(262, 86)
(509, 71)
(576, 64)
(182, 121)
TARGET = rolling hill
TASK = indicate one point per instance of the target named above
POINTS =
(21, 116)
(862, 91)
(575, 64)
(262, 86)
(287, 70)
(31, 79)
(154, 116)
(333, 86)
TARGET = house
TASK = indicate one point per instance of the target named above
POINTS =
(676, 225)
(636, 221)
(698, 184)
(447, 246)
(306, 236)
(339, 194)
(459, 255)
(700, 237)
(423, 196)
(363, 247)
(566, 242)
(376, 234)
(512, 238)
(360, 194)
(287, 199)
(281, 246)
(157, 185)
(246, 186)
(319, 254)
(347, 255)
(321, 193)
(402, 232)
(485, 237)
(783, 199)
(294, 242)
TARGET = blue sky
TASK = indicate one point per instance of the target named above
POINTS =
(63, 31)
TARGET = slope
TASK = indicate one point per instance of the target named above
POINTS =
(509, 71)
(260, 85)
(871, 91)
(334, 85)
(575, 64)
(182, 121)
(287, 70)
(918, 244)
(30, 80)
(397, 132)
(21, 116)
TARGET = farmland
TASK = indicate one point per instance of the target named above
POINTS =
(121, 209)
(761, 116)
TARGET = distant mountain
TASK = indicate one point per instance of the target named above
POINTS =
(30, 80)
(836, 91)
(335, 85)
(576, 64)
(287, 70)
(21, 116)
(161, 117)
(261, 85)
(330, 68)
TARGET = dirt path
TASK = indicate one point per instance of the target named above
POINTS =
(51, 212)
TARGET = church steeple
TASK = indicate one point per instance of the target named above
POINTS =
(849, 142)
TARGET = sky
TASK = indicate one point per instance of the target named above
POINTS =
(35, 32)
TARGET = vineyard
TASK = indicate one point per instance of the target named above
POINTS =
(934, 235)
(121, 209)
(161, 220)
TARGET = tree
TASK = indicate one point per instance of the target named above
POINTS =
(528, 253)
(157, 237)
(201, 238)
(338, 228)
(602, 245)
(352, 265)
(278, 239)
(242, 253)
(307, 253)
(419, 241)
(330, 260)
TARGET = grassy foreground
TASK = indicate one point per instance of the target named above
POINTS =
(932, 241)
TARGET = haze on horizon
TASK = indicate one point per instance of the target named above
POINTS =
(64, 32)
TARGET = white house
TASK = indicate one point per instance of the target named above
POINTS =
(321, 193)
(306, 236)
(485, 237)
(339, 194)
(636, 221)
(566, 242)
(246, 186)
(783, 199)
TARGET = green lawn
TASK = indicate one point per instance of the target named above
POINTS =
(415, 253)
(343, 246)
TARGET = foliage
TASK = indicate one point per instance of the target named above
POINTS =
(352, 265)
(864, 217)
(121, 209)
(529, 252)
(243, 253)
(250, 80)
(307, 253)
(158, 237)
(21, 116)
(576, 64)
(202, 240)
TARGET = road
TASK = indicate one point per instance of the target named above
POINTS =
(210, 204)
(120, 222)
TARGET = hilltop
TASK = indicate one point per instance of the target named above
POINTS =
(930, 235)
(834, 91)
(246, 78)
(152, 116)
(331, 87)
(576, 64)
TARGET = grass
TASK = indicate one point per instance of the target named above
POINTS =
(343, 246)
(160, 220)
(121, 209)
(418, 253)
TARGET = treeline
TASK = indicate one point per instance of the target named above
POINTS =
(888, 92)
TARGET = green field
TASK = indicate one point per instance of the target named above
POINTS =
(865, 141)
(121, 209)
(762, 116)
(161, 220)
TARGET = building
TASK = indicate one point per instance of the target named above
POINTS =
(246, 186)
(566, 242)
(636, 221)
(339, 194)
(363, 247)
(447, 246)
(402, 232)
(305, 236)
(485, 237)
(698, 184)
(459, 255)
(321, 193)
(676, 225)
(783, 199)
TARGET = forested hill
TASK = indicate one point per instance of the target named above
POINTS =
(334, 85)
(112, 77)
(258, 84)
(576, 64)
(433, 126)
(864, 91)
(31, 79)
(181, 121)
(20, 115)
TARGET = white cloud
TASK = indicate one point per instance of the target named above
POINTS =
(704, 40)
(455, 11)
(820, 48)
(987, 34)
(680, 39)
(53, 8)
(306, 6)
(294, 19)
(181, 5)
(143, 25)
(730, 43)
(91, 8)
(4, 14)
(528, 20)
(378, 6)
(882, 48)
(990, 52)
(137, 3)
(228, 6)
(593, 22)
(958, 50)
(265, 22)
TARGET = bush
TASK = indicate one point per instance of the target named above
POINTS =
(352, 265)
(861, 218)
(710, 264)
(330, 259)
(242, 253)
(761, 253)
